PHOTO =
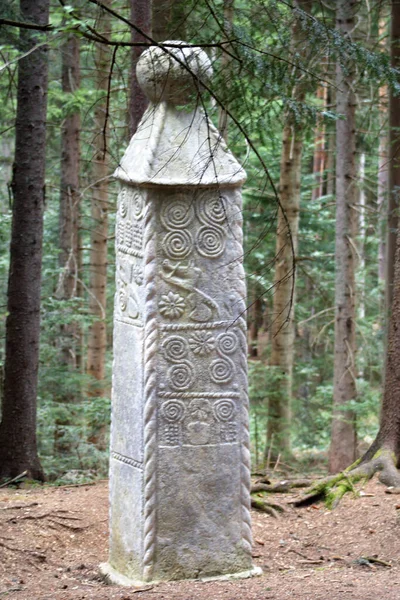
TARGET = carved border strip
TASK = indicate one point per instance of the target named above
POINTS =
(199, 395)
(182, 326)
(200, 445)
(127, 460)
(126, 321)
(245, 475)
(150, 389)
(130, 251)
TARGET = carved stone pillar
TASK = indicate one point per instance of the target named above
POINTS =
(180, 460)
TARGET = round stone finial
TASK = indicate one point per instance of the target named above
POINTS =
(163, 77)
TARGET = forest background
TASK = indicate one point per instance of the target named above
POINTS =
(292, 77)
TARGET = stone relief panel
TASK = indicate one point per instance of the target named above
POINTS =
(200, 341)
(129, 250)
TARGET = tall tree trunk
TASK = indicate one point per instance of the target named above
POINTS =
(69, 200)
(383, 157)
(343, 436)
(228, 7)
(140, 16)
(70, 334)
(18, 450)
(169, 20)
(388, 437)
(97, 342)
(255, 317)
(319, 158)
(394, 156)
(282, 328)
(283, 331)
(361, 233)
(330, 164)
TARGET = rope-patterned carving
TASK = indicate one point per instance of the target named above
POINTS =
(240, 288)
(150, 391)
(127, 460)
(210, 395)
(195, 326)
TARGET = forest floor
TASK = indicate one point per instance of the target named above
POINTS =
(53, 539)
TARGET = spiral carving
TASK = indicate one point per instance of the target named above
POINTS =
(150, 392)
(221, 370)
(180, 376)
(177, 214)
(227, 342)
(137, 205)
(123, 299)
(175, 348)
(177, 244)
(123, 206)
(173, 411)
(210, 241)
(211, 210)
(224, 409)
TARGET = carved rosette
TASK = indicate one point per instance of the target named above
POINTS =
(198, 308)
(179, 374)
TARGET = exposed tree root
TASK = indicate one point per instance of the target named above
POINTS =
(270, 508)
(264, 486)
(282, 487)
(14, 479)
(19, 506)
(332, 489)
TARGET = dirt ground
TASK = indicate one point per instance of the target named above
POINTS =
(53, 539)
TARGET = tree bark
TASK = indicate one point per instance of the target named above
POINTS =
(141, 16)
(383, 456)
(343, 435)
(18, 449)
(69, 201)
(255, 318)
(330, 164)
(223, 121)
(383, 157)
(282, 328)
(394, 157)
(360, 234)
(388, 437)
(168, 20)
(97, 343)
(319, 158)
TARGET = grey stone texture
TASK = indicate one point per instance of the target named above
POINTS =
(180, 460)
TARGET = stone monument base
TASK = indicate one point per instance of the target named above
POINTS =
(116, 578)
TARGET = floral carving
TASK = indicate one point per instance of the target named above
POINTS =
(202, 343)
(171, 305)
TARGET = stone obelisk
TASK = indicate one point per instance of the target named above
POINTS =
(180, 460)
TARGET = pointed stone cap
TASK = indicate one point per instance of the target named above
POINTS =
(176, 144)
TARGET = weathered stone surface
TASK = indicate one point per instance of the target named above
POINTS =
(180, 461)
